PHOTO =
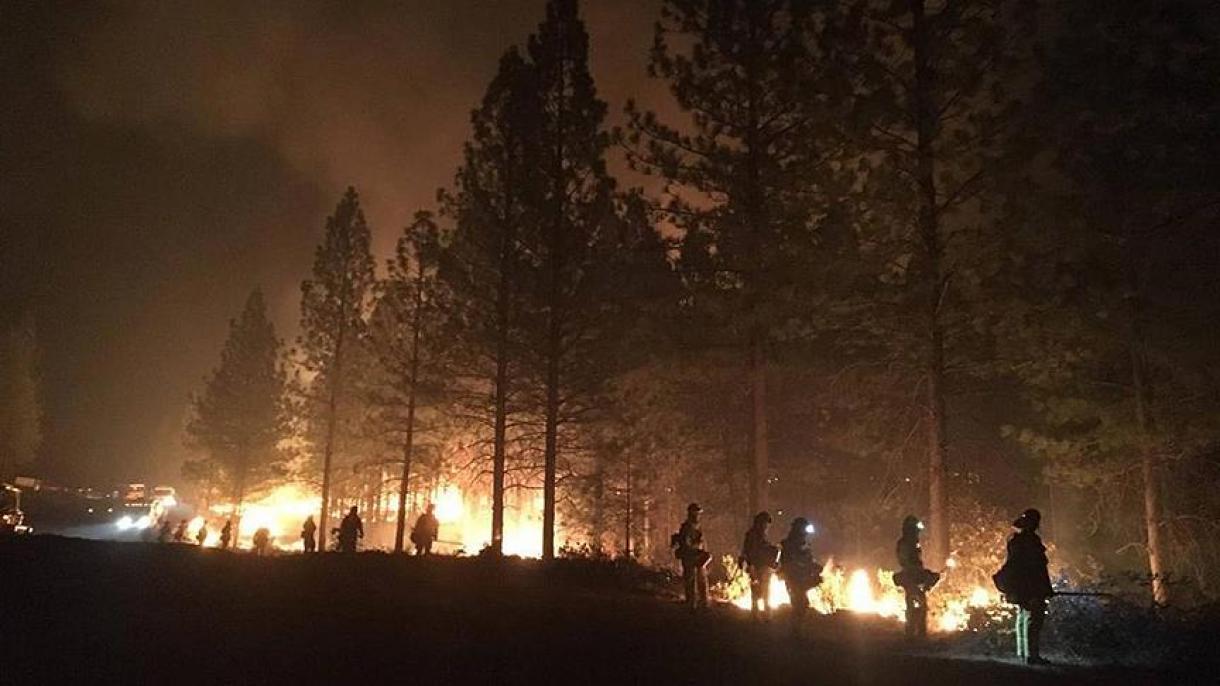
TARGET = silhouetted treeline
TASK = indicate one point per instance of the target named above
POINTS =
(894, 256)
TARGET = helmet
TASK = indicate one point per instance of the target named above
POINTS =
(694, 507)
(1029, 520)
(763, 517)
(911, 524)
(801, 524)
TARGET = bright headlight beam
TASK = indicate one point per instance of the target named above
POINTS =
(124, 523)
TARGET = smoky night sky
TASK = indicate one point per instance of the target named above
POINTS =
(160, 160)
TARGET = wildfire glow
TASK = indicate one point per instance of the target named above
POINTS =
(281, 511)
(466, 521)
(449, 505)
(860, 592)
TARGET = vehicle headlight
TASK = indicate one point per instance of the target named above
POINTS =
(124, 523)
(143, 522)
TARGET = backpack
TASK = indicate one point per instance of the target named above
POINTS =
(1003, 579)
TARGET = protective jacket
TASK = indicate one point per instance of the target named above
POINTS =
(350, 527)
(1024, 578)
(911, 574)
(758, 552)
(425, 530)
(689, 548)
(797, 566)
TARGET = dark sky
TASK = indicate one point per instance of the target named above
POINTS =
(159, 160)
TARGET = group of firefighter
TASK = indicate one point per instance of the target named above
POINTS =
(349, 531)
(1023, 580)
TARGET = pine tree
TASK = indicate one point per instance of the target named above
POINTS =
(404, 333)
(935, 87)
(493, 203)
(630, 293)
(333, 305)
(752, 181)
(239, 420)
(577, 216)
(1120, 353)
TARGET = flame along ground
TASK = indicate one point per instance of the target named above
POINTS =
(466, 526)
(872, 593)
(465, 521)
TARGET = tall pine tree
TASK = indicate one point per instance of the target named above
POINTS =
(750, 175)
(493, 203)
(576, 214)
(404, 332)
(935, 88)
(239, 419)
(333, 305)
(1121, 354)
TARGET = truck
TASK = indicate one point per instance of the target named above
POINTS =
(12, 518)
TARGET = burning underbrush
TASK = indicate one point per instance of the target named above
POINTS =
(464, 516)
(281, 510)
(956, 604)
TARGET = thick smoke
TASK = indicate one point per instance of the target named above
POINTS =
(162, 159)
(376, 95)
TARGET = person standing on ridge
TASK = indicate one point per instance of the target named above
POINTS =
(309, 535)
(799, 570)
(913, 578)
(425, 531)
(688, 548)
(350, 529)
(1026, 583)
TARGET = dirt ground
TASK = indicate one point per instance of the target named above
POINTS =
(93, 612)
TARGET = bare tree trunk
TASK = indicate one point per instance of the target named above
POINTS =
(756, 214)
(239, 498)
(646, 531)
(554, 346)
(332, 412)
(627, 528)
(551, 447)
(409, 443)
(759, 448)
(929, 228)
(598, 528)
(1148, 469)
(499, 447)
